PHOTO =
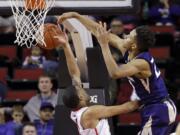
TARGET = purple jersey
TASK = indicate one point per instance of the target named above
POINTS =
(150, 90)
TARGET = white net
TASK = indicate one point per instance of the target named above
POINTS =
(29, 16)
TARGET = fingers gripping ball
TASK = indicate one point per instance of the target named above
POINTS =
(50, 31)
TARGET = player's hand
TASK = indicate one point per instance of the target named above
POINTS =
(65, 16)
(62, 38)
(102, 34)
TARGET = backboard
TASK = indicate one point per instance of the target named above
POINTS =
(84, 6)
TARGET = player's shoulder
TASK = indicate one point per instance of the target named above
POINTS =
(87, 118)
(140, 63)
(89, 112)
(144, 55)
(142, 59)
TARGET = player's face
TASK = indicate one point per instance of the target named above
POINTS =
(29, 130)
(131, 38)
(84, 97)
(45, 84)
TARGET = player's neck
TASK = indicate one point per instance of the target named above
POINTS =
(83, 104)
(132, 54)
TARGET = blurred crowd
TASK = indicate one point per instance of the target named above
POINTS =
(39, 110)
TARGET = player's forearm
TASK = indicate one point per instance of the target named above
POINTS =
(87, 22)
(124, 108)
(122, 44)
(92, 26)
(109, 111)
(129, 106)
(111, 65)
(117, 42)
(71, 62)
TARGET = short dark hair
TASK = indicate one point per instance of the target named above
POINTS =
(70, 97)
(45, 76)
(28, 124)
(17, 108)
(45, 105)
(145, 38)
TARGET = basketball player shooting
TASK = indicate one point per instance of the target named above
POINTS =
(91, 120)
(158, 112)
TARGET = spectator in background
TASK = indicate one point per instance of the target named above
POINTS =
(51, 64)
(45, 124)
(163, 13)
(35, 60)
(117, 27)
(3, 91)
(7, 25)
(46, 94)
(2, 123)
(14, 127)
(29, 129)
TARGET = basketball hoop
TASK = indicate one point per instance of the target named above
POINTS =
(29, 16)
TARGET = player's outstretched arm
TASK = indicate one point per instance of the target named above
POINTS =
(100, 111)
(91, 26)
(71, 62)
(134, 67)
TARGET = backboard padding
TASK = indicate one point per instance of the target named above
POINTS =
(84, 6)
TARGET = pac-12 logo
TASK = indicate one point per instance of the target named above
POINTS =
(94, 99)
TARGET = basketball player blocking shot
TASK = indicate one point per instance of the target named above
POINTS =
(90, 120)
(158, 111)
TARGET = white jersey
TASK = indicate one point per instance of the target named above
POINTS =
(102, 127)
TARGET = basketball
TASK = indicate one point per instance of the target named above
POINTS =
(50, 31)
(35, 4)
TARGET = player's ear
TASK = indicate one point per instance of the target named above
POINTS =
(134, 46)
(80, 97)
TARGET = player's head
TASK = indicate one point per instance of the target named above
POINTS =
(143, 38)
(75, 97)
